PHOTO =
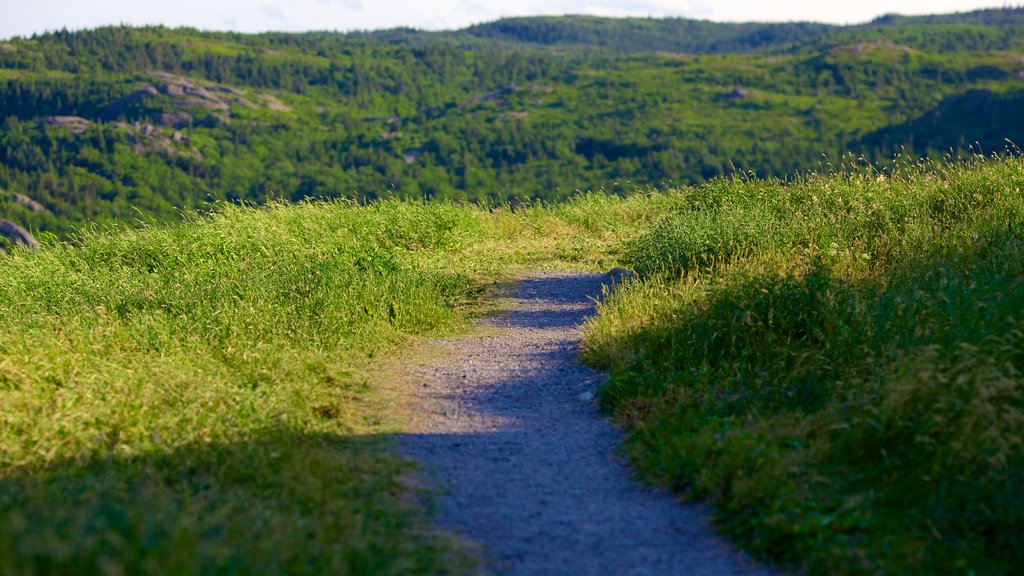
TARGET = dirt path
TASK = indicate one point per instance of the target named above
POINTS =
(528, 464)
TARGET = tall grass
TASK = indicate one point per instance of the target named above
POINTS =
(202, 398)
(836, 363)
(181, 399)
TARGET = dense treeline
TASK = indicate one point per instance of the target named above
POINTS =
(979, 30)
(122, 123)
(649, 35)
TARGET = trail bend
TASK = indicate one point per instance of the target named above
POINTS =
(528, 466)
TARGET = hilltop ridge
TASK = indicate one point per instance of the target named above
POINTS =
(694, 36)
(115, 123)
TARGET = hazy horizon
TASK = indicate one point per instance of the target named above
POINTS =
(351, 15)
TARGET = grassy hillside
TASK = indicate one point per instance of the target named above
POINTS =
(182, 399)
(118, 124)
(988, 116)
(836, 363)
(202, 398)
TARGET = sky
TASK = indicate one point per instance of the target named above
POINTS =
(25, 17)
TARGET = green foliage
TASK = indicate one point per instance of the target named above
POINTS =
(208, 397)
(839, 371)
(183, 399)
(518, 109)
(985, 115)
(647, 34)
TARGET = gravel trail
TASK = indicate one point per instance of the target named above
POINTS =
(528, 465)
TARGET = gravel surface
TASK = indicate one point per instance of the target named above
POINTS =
(528, 465)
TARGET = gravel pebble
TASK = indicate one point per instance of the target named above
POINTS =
(529, 466)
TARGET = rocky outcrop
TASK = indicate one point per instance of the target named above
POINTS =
(188, 92)
(273, 103)
(739, 93)
(862, 50)
(29, 203)
(176, 120)
(150, 138)
(411, 154)
(185, 92)
(73, 124)
(17, 235)
(117, 107)
(218, 98)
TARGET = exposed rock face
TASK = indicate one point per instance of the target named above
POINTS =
(864, 49)
(184, 92)
(114, 109)
(190, 94)
(73, 124)
(739, 93)
(150, 138)
(17, 235)
(176, 120)
(273, 103)
(178, 91)
(199, 94)
(29, 203)
(411, 154)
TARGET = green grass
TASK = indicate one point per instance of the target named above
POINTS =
(202, 398)
(835, 363)
(182, 399)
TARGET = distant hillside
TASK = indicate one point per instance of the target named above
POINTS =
(648, 34)
(119, 123)
(990, 118)
(998, 17)
(632, 35)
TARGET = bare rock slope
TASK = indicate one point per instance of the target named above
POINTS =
(17, 235)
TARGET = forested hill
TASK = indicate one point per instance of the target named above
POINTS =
(122, 123)
(991, 28)
(627, 35)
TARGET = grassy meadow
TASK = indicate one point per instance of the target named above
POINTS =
(835, 363)
(200, 398)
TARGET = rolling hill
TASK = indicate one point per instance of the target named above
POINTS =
(120, 124)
